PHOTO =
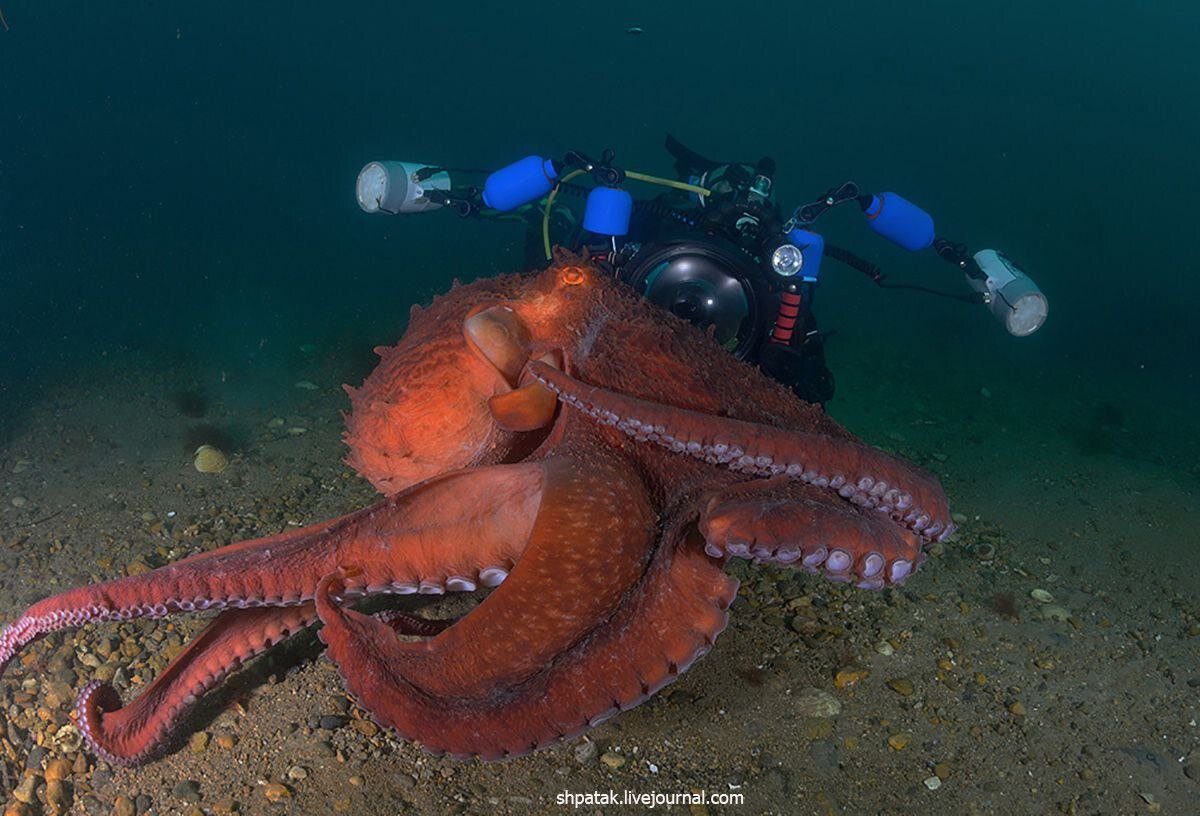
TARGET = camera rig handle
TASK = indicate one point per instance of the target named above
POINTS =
(808, 213)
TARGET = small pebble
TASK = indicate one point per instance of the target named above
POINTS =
(296, 773)
(850, 675)
(123, 806)
(612, 760)
(26, 791)
(933, 783)
(57, 769)
(814, 702)
(1055, 613)
(208, 459)
(365, 727)
(19, 501)
(275, 792)
(585, 752)
(1192, 769)
(198, 742)
(1041, 596)
(1016, 708)
(899, 742)
(884, 648)
(58, 797)
(901, 685)
(225, 741)
(188, 790)
(332, 722)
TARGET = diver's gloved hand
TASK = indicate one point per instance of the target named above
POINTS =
(801, 369)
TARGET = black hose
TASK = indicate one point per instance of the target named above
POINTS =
(976, 298)
(845, 256)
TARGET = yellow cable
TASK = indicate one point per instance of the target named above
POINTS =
(549, 206)
(678, 185)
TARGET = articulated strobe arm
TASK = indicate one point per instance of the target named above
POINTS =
(1011, 295)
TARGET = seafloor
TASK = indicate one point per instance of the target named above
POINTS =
(959, 693)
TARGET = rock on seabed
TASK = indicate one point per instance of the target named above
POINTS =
(814, 702)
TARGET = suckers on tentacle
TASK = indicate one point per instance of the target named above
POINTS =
(747, 447)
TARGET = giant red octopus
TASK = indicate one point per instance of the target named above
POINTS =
(592, 459)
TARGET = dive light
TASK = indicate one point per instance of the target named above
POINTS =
(399, 187)
(787, 260)
(801, 255)
(1010, 294)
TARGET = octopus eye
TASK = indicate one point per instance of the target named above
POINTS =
(572, 276)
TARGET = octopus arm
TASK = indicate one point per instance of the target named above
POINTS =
(413, 542)
(846, 467)
(134, 733)
(782, 521)
(669, 617)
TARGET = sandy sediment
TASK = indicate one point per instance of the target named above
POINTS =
(962, 692)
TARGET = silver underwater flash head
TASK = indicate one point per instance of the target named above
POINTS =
(399, 187)
(1011, 295)
(787, 260)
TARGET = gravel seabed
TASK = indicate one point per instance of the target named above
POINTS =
(959, 693)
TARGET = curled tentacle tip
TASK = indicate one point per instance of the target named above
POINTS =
(95, 700)
(329, 588)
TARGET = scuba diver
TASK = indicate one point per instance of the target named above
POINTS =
(714, 247)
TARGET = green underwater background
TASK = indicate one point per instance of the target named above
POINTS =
(182, 176)
(177, 215)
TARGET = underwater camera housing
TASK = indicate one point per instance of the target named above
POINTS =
(714, 248)
(722, 265)
(704, 279)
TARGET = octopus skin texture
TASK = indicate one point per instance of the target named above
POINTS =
(592, 459)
